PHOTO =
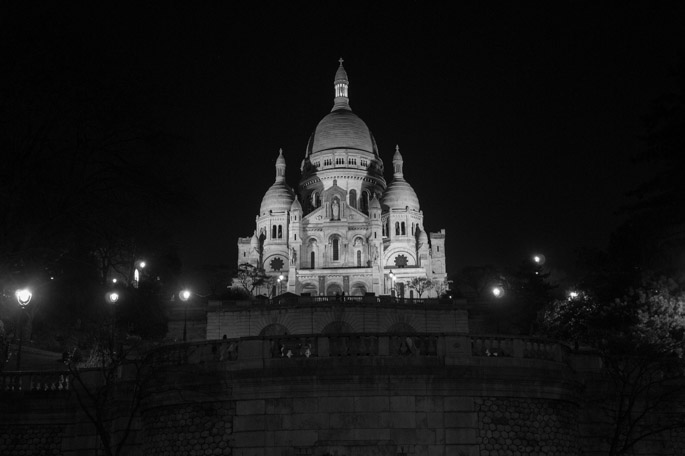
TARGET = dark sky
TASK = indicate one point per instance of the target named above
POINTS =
(517, 123)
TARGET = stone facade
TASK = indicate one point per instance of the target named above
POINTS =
(344, 231)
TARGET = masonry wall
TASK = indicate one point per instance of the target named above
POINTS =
(451, 397)
(233, 320)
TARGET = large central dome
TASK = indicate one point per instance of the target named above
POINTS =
(342, 129)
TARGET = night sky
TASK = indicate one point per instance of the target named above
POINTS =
(517, 123)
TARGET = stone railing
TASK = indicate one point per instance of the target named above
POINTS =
(359, 345)
(447, 348)
(34, 381)
(519, 347)
(370, 300)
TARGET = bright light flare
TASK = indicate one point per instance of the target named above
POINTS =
(142, 264)
(23, 296)
(497, 292)
(538, 259)
(112, 297)
(573, 295)
(184, 295)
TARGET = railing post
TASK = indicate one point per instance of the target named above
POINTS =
(457, 346)
(383, 345)
(519, 347)
(324, 348)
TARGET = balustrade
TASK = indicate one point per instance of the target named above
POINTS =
(311, 347)
(34, 381)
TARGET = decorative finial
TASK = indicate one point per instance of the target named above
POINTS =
(341, 61)
(397, 147)
(280, 151)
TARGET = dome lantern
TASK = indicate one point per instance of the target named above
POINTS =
(341, 84)
(397, 162)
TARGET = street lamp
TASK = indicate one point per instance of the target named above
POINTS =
(185, 296)
(392, 282)
(538, 259)
(23, 298)
(112, 297)
(136, 272)
(280, 284)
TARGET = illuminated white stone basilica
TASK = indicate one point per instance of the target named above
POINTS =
(344, 231)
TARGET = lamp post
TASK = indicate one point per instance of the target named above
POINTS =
(23, 298)
(112, 297)
(280, 284)
(139, 266)
(392, 283)
(185, 296)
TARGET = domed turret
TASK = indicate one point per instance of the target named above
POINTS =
(399, 193)
(279, 197)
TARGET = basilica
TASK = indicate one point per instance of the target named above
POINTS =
(345, 231)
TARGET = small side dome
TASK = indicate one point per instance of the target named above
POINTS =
(399, 194)
(254, 242)
(279, 197)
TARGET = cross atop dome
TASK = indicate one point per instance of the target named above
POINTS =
(341, 61)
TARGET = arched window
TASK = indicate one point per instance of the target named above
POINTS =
(384, 230)
(280, 231)
(336, 249)
(359, 258)
(364, 202)
(312, 260)
(273, 232)
(397, 228)
(404, 231)
(412, 228)
(353, 198)
(316, 199)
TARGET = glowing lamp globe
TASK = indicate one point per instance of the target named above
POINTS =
(498, 292)
(112, 297)
(23, 296)
(539, 259)
(184, 295)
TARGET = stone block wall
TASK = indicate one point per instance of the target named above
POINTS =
(354, 424)
(234, 321)
(31, 440)
(526, 427)
(191, 429)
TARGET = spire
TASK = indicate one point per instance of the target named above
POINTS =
(397, 162)
(341, 84)
(280, 166)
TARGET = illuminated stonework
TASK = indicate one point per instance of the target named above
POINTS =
(345, 230)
